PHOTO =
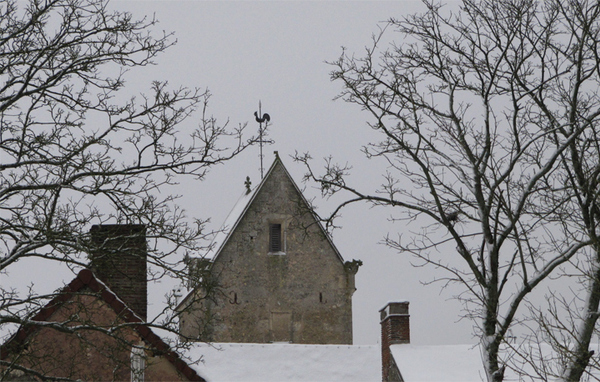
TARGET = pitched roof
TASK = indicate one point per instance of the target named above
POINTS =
(278, 362)
(86, 278)
(464, 363)
(241, 207)
(450, 363)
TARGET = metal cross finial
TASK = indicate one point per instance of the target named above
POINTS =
(248, 185)
(260, 118)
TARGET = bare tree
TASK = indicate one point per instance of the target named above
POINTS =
(574, 190)
(76, 151)
(484, 114)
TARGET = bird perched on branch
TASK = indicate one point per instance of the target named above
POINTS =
(265, 117)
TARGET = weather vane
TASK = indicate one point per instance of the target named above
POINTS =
(266, 118)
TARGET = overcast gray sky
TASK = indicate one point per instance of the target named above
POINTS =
(276, 52)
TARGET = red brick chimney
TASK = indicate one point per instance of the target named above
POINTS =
(395, 329)
(118, 258)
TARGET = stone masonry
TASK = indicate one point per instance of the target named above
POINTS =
(301, 294)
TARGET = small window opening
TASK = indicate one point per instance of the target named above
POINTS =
(275, 242)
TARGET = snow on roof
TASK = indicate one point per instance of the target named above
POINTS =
(287, 362)
(435, 363)
(464, 363)
(230, 222)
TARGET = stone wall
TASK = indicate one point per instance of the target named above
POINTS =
(302, 294)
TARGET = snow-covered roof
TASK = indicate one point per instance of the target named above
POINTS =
(435, 363)
(464, 363)
(230, 222)
(287, 362)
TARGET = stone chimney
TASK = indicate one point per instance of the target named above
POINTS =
(118, 258)
(395, 329)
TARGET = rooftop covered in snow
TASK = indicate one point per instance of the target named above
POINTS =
(287, 362)
(464, 363)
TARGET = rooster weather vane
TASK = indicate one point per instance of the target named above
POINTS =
(262, 131)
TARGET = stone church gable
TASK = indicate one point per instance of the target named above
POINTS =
(277, 275)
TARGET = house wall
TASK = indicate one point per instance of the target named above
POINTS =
(301, 296)
(87, 354)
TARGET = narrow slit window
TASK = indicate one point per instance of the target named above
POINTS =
(275, 242)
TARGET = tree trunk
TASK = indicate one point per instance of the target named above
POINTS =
(580, 356)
